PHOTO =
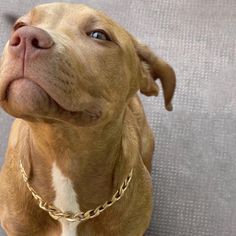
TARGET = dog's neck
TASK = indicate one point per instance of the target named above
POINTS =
(89, 156)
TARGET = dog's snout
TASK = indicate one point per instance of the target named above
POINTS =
(28, 40)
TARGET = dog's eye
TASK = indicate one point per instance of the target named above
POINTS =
(100, 35)
(18, 25)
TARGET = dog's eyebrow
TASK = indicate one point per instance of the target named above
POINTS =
(91, 19)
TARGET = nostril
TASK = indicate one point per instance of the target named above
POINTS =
(16, 41)
(35, 43)
(41, 43)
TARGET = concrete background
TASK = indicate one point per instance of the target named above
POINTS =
(194, 171)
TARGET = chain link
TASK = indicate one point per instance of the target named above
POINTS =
(57, 214)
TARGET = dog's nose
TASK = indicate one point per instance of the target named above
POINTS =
(28, 41)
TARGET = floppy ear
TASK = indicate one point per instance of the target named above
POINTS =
(10, 18)
(153, 68)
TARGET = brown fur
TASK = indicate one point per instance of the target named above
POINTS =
(83, 114)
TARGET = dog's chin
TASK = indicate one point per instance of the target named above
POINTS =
(27, 100)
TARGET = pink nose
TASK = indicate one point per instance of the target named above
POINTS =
(28, 41)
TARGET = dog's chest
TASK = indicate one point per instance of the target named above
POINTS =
(65, 199)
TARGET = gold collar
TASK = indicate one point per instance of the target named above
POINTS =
(57, 214)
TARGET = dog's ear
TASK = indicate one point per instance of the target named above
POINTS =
(153, 68)
(10, 18)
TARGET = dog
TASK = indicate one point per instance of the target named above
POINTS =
(79, 155)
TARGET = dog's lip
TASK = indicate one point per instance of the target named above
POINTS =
(4, 87)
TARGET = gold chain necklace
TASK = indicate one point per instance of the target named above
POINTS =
(57, 214)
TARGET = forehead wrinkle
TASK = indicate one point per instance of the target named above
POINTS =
(51, 17)
(54, 16)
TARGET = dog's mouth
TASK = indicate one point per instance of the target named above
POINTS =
(23, 97)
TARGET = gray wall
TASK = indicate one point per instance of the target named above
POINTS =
(194, 169)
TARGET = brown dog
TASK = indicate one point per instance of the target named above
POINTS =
(69, 74)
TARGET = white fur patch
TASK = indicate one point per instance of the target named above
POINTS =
(65, 199)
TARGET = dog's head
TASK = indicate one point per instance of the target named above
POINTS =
(71, 63)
